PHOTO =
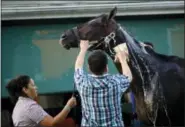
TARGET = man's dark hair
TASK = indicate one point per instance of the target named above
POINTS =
(97, 62)
(15, 86)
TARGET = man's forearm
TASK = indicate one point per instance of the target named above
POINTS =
(80, 59)
(125, 69)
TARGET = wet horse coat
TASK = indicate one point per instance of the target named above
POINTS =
(162, 85)
(158, 80)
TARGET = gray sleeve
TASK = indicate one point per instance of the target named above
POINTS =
(36, 113)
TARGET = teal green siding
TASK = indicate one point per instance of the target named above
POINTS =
(34, 50)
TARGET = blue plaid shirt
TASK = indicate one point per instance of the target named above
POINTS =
(101, 98)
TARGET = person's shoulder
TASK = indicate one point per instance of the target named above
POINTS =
(25, 102)
(118, 76)
(28, 104)
(30, 101)
(23, 105)
(79, 69)
(121, 77)
(33, 103)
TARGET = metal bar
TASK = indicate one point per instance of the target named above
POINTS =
(82, 9)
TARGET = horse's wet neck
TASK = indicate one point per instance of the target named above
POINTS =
(120, 39)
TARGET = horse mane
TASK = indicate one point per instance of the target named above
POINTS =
(168, 58)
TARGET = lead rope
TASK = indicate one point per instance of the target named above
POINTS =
(74, 89)
(75, 95)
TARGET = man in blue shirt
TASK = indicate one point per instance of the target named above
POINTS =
(101, 92)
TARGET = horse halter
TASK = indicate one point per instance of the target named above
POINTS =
(107, 40)
(74, 30)
(104, 40)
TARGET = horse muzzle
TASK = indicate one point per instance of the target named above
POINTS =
(63, 43)
(70, 39)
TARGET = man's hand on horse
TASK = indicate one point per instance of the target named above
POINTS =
(84, 45)
(121, 56)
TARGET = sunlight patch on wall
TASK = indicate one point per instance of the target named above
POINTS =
(176, 40)
(55, 59)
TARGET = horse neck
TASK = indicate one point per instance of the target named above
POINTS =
(121, 37)
(117, 64)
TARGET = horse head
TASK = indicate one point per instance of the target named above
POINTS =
(103, 32)
(93, 30)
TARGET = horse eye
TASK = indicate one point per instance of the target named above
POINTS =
(63, 36)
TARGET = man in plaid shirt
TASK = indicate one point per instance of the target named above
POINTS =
(101, 92)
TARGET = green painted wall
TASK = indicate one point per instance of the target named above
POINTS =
(34, 50)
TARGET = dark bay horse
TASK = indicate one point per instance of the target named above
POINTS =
(158, 80)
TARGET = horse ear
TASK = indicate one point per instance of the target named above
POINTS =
(112, 13)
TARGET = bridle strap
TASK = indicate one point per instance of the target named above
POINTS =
(74, 90)
(75, 31)
(106, 41)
